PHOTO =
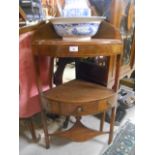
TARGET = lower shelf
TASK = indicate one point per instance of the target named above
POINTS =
(78, 133)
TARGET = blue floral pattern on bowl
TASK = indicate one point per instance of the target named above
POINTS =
(76, 30)
(76, 8)
(85, 12)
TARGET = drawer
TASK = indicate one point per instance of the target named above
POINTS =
(82, 109)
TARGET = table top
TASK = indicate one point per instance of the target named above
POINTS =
(78, 92)
(106, 42)
(91, 48)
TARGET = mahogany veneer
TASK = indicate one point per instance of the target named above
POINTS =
(78, 97)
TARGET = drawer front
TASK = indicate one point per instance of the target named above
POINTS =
(83, 109)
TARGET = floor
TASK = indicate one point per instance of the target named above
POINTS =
(61, 146)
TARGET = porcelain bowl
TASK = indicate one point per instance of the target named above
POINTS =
(77, 28)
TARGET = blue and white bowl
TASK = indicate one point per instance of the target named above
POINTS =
(76, 28)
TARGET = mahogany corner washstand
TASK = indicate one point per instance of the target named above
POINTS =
(77, 97)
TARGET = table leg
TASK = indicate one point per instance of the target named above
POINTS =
(32, 130)
(102, 121)
(44, 123)
(112, 121)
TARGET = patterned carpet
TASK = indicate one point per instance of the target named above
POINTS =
(124, 142)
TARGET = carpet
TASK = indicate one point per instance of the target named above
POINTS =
(124, 141)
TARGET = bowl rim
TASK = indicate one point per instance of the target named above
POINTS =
(64, 20)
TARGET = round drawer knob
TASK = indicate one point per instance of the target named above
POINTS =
(79, 109)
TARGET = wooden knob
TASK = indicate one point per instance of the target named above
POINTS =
(109, 103)
(79, 109)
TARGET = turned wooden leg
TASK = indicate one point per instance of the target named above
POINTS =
(112, 121)
(78, 118)
(102, 121)
(44, 123)
(32, 130)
